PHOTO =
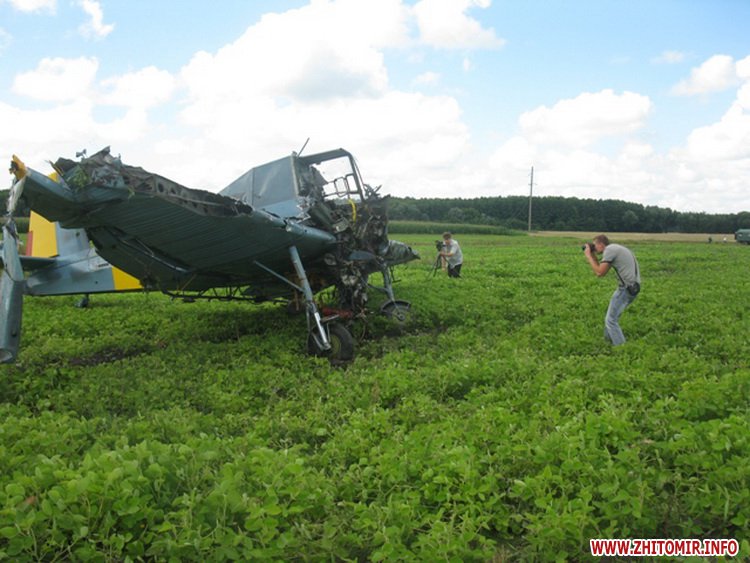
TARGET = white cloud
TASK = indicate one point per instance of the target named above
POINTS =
(714, 75)
(669, 57)
(429, 78)
(22, 129)
(142, 89)
(743, 68)
(57, 80)
(128, 129)
(443, 24)
(517, 151)
(95, 27)
(589, 117)
(713, 166)
(308, 61)
(34, 5)
(729, 138)
(249, 106)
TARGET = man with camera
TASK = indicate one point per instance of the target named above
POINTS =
(451, 253)
(629, 281)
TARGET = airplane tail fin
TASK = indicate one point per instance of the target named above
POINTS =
(47, 239)
(63, 262)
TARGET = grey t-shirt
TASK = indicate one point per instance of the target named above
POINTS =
(624, 262)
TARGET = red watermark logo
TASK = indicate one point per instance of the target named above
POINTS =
(664, 547)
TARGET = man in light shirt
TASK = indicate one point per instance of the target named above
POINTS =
(452, 254)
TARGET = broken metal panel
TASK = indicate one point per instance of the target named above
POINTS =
(272, 187)
(294, 186)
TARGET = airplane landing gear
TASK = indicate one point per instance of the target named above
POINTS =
(341, 342)
(399, 311)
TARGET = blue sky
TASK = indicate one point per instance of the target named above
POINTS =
(646, 101)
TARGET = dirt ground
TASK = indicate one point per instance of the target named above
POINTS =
(616, 237)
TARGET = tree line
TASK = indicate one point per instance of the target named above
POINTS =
(552, 213)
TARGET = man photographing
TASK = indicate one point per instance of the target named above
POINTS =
(628, 276)
(452, 254)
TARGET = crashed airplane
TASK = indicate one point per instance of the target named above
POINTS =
(285, 231)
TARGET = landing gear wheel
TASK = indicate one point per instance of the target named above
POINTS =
(399, 311)
(342, 344)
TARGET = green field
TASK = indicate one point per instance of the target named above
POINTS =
(494, 426)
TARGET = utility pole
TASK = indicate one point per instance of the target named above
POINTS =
(531, 194)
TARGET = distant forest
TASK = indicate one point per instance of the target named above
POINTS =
(565, 214)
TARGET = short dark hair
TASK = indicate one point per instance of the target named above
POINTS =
(602, 239)
(447, 235)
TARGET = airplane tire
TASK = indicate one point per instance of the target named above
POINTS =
(399, 311)
(342, 345)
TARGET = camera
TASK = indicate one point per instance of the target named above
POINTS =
(439, 245)
(591, 246)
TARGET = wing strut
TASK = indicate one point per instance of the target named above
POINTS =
(321, 338)
(13, 283)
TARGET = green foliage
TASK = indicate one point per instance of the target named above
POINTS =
(495, 425)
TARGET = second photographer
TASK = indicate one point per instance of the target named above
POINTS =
(451, 253)
(623, 262)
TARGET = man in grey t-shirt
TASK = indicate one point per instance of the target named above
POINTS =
(625, 265)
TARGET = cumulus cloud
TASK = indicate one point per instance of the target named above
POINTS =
(443, 24)
(715, 75)
(95, 27)
(586, 119)
(743, 68)
(65, 124)
(142, 89)
(308, 62)
(709, 172)
(713, 165)
(247, 103)
(34, 5)
(57, 79)
(726, 140)
(77, 115)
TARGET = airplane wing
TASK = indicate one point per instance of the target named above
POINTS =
(166, 235)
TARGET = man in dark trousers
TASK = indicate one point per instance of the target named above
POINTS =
(452, 254)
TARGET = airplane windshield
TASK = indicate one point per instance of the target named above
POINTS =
(341, 181)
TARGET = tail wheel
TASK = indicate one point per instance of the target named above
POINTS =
(342, 344)
(399, 311)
